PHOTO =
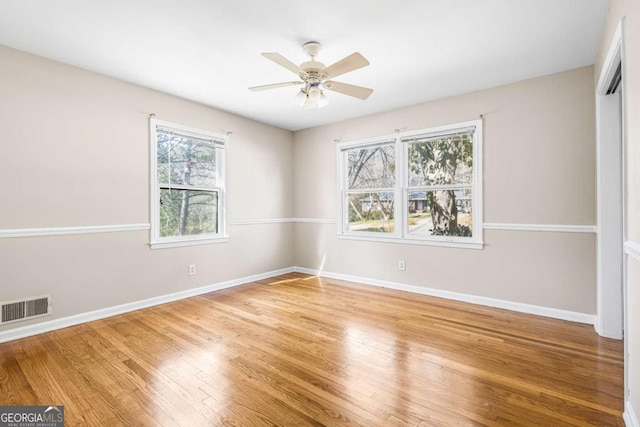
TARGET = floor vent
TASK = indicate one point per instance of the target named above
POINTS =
(14, 311)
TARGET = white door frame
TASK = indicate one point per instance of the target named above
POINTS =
(610, 240)
(611, 191)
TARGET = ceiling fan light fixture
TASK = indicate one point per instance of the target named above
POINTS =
(300, 97)
(310, 104)
(312, 98)
(323, 100)
(315, 93)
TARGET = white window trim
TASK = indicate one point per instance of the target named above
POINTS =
(157, 242)
(400, 234)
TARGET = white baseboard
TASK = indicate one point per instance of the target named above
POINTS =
(629, 416)
(39, 328)
(490, 302)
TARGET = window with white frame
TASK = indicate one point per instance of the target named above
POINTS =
(188, 191)
(369, 192)
(416, 187)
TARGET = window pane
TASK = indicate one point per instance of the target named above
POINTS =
(371, 167)
(447, 160)
(164, 145)
(370, 212)
(184, 161)
(440, 213)
(185, 212)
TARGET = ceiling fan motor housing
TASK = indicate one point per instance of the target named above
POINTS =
(313, 68)
(312, 49)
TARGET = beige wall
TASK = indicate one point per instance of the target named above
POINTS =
(547, 123)
(75, 152)
(630, 11)
(80, 152)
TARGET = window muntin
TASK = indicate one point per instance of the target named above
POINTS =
(429, 190)
(188, 184)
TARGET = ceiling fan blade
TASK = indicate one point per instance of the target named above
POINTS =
(283, 62)
(350, 63)
(347, 89)
(273, 86)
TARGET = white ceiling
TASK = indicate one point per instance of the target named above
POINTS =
(209, 50)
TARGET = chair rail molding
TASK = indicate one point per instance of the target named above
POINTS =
(63, 231)
(117, 228)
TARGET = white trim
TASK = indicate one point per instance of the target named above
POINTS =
(188, 242)
(473, 299)
(412, 241)
(39, 328)
(478, 181)
(632, 249)
(316, 220)
(260, 221)
(282, 220)
(487, 226)
(63, 231)
(611, 185)
(400, 208)
(555, 228)
(629, 415)
(614, 54)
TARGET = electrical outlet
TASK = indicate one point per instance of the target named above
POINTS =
(192, 269)
(402, 266)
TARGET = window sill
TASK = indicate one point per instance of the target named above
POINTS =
(422, 242)
(182, 243)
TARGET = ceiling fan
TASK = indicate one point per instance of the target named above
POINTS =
(315, 77)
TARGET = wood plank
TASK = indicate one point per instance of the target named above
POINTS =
(302, 350)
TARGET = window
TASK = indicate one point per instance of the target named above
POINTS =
(419, 187)
(188, 197)
(369, 194)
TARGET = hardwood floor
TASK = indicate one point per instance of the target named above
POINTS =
(298, 350)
